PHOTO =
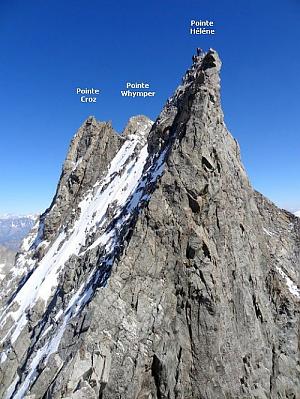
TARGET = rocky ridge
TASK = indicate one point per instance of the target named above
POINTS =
(157, 272)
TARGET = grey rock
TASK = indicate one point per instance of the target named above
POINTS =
(7, 257)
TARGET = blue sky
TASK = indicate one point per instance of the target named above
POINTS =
(49, 48)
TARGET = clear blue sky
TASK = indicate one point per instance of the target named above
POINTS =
(48, 48)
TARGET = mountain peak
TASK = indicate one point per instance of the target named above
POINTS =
(139, 124)
(90, 120)
(92, 148)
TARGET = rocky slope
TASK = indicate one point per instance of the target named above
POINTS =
(7, 257)
(157, 272)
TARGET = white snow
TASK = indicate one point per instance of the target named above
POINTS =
(294, 290)
(76, 164)
(297, 214)
(29, 239)
(108, 238)
(269, 233)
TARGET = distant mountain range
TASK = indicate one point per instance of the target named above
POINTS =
(13, 229)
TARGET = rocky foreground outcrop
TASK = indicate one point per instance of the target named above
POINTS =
(157, 272)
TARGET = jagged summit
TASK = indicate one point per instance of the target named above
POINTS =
(157, 272)
(201, 64)
(139, 124)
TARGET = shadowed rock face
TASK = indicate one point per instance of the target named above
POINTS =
(171, 279)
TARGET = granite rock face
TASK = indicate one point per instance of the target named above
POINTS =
(158, 272)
